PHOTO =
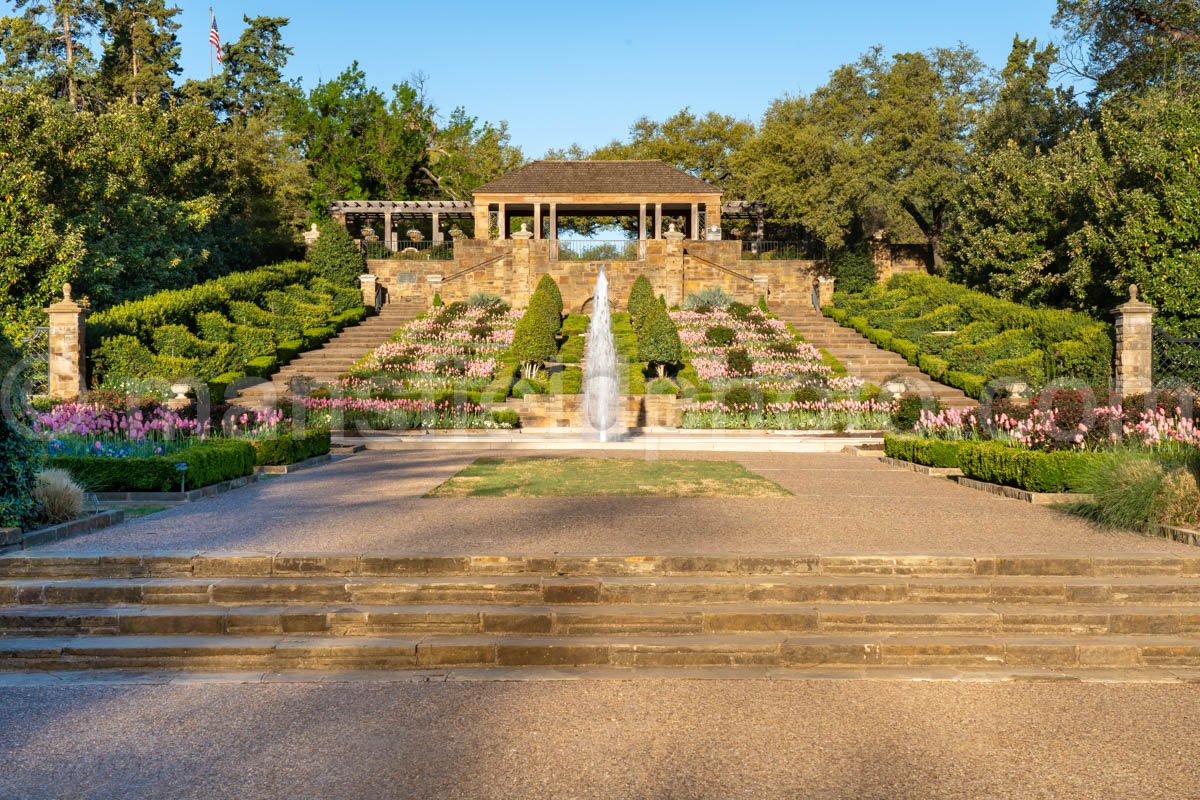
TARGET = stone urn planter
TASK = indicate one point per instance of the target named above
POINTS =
(415, 235)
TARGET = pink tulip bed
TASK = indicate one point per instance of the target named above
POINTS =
(746, 369)
(1135, 461)
(456, 349)
(150, 448)
(431, 375)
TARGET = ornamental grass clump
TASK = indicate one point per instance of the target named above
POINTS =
(59, 498)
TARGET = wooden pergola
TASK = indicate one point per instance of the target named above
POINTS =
(544, 191)
(648, 190)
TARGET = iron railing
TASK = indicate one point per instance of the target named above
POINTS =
(408, 250)
(754, 250)
(36, 351)
(1176, 359)
(599, 250)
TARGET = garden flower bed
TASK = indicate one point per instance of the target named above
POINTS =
(156, 450)
(1139, 466)
(746, 369)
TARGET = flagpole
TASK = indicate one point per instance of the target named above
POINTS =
(210, 44)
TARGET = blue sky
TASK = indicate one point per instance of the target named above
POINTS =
(573, 71)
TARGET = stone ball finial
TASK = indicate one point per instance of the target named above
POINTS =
(66, 291)
(524, 228)
(671, 228)
(1133, 293)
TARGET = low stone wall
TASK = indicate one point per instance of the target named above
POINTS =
(543, 411)
(512, 269)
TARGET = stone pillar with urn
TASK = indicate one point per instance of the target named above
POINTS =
(1135, 346)
(67, 348)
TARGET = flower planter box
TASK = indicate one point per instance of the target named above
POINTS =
(176, 497)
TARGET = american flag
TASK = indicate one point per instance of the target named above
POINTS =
(214, 39)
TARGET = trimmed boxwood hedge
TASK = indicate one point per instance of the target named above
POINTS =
(1032, 470)
(919, 450)
(966, 338)
(291, 448)
(208, 462)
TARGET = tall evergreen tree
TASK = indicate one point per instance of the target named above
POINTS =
(141, 50)
(253, 69)
(45, 48)
(1028, 110)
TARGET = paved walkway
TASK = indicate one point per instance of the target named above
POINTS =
(842, 504)
(602, 739)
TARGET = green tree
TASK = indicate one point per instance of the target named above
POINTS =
(45, 47)
(141, 50)
(882, 145)
(252, 69)
(361, 145)
(1112, 204)
(700, 145)
(535, 337)
(1028, 110)
(1131, 45)
(336, 255)
(658, 339)
(465, 154)
(641, 297)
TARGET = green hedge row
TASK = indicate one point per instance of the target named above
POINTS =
(1032, 470)
(291, 448)
(207, 462)
(966, 338)
(919, 450)
(217, 330)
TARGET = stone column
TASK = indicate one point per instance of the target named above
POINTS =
(712, 216)
(694, 226)
(437, 228)
(642, 222)
(67, 347)
(369, 284)
(481, 213)
(1135, 346)
(388, 241)
(658, 234)
(502, 222)
(825, 289)
(537, 221)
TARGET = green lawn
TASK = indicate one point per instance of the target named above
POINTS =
(606, 477)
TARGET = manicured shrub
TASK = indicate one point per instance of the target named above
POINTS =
(854, 268)
(908, 411)
(712, 297)
(662, 386)
(721, 336)
(658, 339)
(920, 450)
(534, 341)
(571, 380)
(738, 361)
(59, 498)
(207, 463)
(1032, 470)
(507, 417)
(291, 448)
(218, 387)
(527, 386)
(437, 300)
(636, 384)
(641, 298)
(502, 382)
(335, 256)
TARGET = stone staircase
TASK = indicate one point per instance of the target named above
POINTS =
(333, 358)
(253, 611)
(863, 359)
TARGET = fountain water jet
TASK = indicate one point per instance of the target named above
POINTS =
(601, 389)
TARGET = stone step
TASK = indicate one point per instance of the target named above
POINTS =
(1156, 591)
(616, 620)
(29, 564)
(204, 653)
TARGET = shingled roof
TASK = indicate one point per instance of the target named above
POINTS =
(597, 177)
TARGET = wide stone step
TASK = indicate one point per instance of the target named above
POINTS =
(616, 620)
(1148, 591)
(287, 564)
(784, 650)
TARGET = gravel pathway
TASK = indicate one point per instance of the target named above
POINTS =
(606, 739)
(842, 504)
